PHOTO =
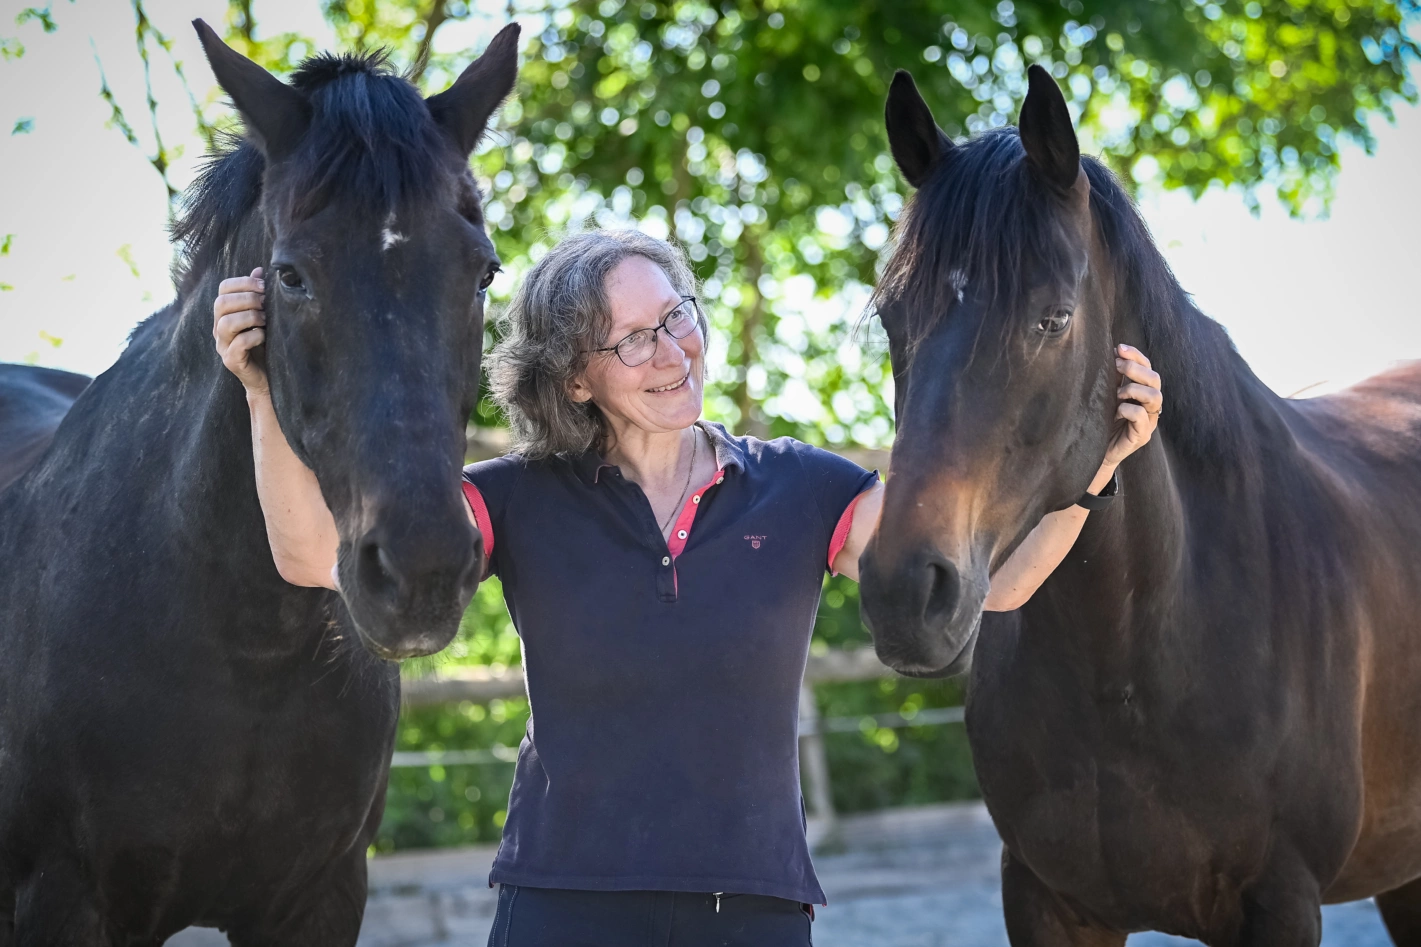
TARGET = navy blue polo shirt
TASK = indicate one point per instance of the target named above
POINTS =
(663, 677)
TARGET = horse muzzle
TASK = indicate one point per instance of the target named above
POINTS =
(407, 590)
(923, 611)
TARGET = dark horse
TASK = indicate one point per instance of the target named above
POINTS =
(32, 403)
(184, 737)
(1206, 721)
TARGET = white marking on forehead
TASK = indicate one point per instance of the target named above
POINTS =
(389, 237)
(958, 281)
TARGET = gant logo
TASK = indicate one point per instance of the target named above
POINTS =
(755, 541)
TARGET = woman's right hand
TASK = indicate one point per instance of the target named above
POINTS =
(238, 325)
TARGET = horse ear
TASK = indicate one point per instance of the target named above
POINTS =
(1046, 132)
(916, 140)
(464, 108)
(276, 115)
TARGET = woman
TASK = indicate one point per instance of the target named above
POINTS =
(663, 576)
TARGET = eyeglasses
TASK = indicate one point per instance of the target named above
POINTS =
(638, 347)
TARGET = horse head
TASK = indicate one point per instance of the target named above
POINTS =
(997, 309)
(375, 285)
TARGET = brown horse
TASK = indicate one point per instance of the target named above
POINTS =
(1206, 721)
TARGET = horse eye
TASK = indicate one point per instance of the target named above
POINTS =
(1055, 321)
(488, 277)
(290, 278)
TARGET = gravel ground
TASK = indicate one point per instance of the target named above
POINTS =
(924, 877)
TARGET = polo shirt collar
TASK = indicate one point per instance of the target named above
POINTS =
(590, 465)
(728, 451)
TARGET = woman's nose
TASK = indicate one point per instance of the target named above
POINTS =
(669, 351)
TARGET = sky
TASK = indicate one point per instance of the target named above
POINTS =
(1313, 305)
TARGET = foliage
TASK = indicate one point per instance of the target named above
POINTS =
(456, 804)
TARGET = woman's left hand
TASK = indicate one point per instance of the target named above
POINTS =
(1141, 402)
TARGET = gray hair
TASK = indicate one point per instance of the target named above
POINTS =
(558, 315)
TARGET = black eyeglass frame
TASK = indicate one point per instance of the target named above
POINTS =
(698, 319)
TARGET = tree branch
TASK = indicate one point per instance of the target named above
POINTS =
(433, 20)
(159, 159)
(240, 16)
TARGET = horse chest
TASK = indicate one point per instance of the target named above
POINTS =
(1097, 789)
(253, 761)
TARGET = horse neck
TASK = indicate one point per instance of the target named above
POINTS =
(1114, 589)
(173, 412)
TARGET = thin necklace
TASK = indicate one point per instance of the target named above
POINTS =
(695, 445)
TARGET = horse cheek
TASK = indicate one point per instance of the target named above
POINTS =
(1035, 421)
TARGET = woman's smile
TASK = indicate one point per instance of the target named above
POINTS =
(674, 386)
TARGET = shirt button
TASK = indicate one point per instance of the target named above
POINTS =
(696, 498)
(680, 534)
(666, 560)
(720, 480)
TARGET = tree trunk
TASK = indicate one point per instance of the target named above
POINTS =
(752, 315)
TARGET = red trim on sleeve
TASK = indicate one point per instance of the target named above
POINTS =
(841, 531)
(481, 517)
(681, 532)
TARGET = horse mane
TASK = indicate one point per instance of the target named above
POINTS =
(983, 221)
(1207, 383)
(371, 141)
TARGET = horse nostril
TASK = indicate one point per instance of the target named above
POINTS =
(377, 570)
(944, 590)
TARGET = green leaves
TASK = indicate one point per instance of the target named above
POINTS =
(40, 15)
(1264, 95)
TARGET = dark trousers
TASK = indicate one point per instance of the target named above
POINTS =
(555, 917)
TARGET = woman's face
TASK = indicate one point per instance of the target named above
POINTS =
(663, 393)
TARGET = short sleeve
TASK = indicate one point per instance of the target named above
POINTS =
(836, 483)
(488, 486)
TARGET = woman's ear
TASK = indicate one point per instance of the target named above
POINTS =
(578, 389)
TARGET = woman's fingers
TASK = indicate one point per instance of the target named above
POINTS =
(245, 342)
(237, 302)
(1141, 422)
(1151, 398)
(230, 326)
(1142, 383)
(1132, 354)
(1140, 403)
(1134, 371)
(237, 326)
(237, 356)
(241, 284)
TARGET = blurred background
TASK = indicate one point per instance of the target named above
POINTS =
(1272, 145)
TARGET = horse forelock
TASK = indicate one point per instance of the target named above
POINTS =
(371, 144)
(982, 225)
(372, 140)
